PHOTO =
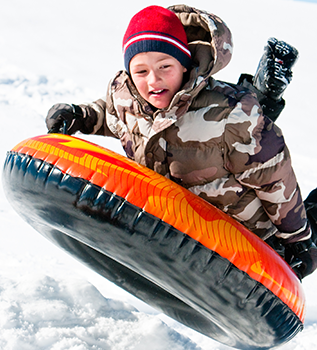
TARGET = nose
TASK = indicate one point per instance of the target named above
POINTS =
(153, 77)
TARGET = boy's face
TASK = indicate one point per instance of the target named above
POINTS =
(157, 76)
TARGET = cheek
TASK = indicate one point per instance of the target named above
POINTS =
(177, 81)
(140, 84)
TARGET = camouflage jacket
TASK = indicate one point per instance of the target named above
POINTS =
(212, 139)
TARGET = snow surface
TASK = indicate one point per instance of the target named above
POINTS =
(66, 51)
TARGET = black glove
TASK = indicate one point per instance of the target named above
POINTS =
(302, 257)
(64, 118)
(311, 211)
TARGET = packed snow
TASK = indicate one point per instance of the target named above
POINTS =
(66, 51)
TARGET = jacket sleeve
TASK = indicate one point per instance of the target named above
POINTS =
(97, 115)
(259, 158)
(271, 108)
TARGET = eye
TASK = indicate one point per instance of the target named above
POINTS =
(141, 71)
(138, 70)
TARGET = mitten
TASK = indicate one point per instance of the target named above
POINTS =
(302, 257)
(64, 118)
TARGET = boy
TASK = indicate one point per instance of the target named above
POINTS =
(208, 136)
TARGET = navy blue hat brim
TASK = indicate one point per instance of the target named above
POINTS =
(155, 46)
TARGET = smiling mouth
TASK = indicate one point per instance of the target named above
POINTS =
(157, 92)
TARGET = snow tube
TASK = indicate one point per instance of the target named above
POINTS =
(156, 240)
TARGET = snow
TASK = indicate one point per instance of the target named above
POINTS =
(66, 51)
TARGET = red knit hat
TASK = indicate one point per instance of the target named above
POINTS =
(156, 28)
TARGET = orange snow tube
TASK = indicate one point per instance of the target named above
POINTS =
(156, 240)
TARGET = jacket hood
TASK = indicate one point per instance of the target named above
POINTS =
(209, 39)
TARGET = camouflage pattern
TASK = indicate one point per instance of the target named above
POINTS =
(212, 139)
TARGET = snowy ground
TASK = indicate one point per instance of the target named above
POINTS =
(66, 51)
